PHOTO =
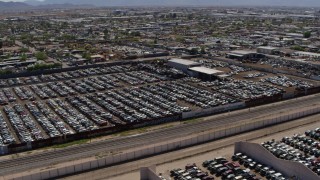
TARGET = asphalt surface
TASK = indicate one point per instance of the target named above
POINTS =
(44, 159)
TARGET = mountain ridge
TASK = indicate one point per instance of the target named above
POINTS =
(12, 6)
(296, 3)
(69, 4)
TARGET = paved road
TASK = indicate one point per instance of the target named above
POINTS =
(52, 157)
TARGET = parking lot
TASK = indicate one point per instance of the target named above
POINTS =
(302, 147)
(226, 152)
(52, 105)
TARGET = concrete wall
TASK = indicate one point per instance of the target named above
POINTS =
(149, 173)
(287, 168)
(3, 150)
(315, 78)
(178, 66)
(218, 133)
(210, 111)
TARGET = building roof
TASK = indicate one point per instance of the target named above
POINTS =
(267, 47)
(206, 70)
(307, 53)
(184, 62)
(242, 52)
(233, 54)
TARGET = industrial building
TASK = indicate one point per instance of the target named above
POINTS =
(182, 64)
(307, 54)
(268, 50)
(244, 55)
(205, 73)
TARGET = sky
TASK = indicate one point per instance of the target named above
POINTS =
(309, 3)
(12, 0)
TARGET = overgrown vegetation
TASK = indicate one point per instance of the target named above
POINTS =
(44, 66)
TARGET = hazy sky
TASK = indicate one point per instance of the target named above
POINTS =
(309, 3)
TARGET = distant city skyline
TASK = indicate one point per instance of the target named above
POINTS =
(307, 3)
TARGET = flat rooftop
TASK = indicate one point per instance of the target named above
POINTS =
(307, 53)
(206, 70)
(242, 52)
(267, 47)
(184, 62)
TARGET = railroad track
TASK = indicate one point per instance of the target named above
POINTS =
(44, 159)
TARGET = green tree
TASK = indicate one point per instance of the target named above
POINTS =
(41, 56)
(23, 57)
(297, 48)
(44, 66)
(67, 37)
(24, 50)
(203, 50)
(307, 34)
(179, 38)
(194, 51)
(136, 33)
(106, 34)
(86, 56)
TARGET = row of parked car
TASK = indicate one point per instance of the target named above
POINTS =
(196, 96)
(91, 110)
(137, 104)
(254, 75)
(43, 91)
(3, 99)
(234, 69)
(288, 82)
(77, 121)
(191, 172)
(314, 134)
(237, 69)
(6, 135)
(62, 89)
(85, 85)
(307, 145)
(48, 126)
(228, 170)
(6, 96)
(124, 106)
(24, 93)
(299, 67)
(242, 167)
(299, 148)
(152, 94)
(59, 124)
(66, 75)
(25, 127)
(243, 89)
(264, 170)
(136, 77)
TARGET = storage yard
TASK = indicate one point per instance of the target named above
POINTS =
(219, 150)
(102, 100)
(302, 148)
